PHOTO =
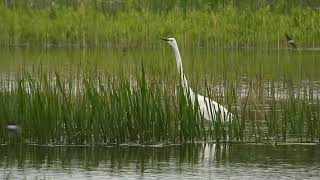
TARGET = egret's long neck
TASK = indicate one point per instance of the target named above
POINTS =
(183, 79)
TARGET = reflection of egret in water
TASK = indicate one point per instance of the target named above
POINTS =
(215, 152)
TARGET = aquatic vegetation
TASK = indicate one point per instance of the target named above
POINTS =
(134, 25)
(96, 108)
(92, 109)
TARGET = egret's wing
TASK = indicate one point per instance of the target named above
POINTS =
(210, 109)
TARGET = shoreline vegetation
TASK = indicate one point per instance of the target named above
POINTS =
(129, 24)
(84, 106)
(97, 108)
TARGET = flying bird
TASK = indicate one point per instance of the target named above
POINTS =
(291, 43)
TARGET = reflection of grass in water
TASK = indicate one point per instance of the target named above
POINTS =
(184, 154)
(94, 108)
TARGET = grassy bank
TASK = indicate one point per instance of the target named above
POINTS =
(225, 26)
(90, 108)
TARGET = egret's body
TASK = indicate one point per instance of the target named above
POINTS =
(209, 109)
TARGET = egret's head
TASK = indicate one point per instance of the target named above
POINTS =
(171, 41)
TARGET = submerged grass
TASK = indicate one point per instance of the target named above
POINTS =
(95, 108)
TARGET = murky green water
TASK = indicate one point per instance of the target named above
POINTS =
(191, 161)
(210, 66)
(203, 161)
(198, 63)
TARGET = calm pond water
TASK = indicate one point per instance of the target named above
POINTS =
(198, 63)
(202, 66)
(190, 161)
(205, 161)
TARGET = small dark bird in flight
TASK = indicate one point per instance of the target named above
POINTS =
(291, 42)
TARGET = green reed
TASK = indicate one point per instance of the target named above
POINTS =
(92, 108)
(96, 108)
(228, 26)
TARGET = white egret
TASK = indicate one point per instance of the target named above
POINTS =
(209, 109)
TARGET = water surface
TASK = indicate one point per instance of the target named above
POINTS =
(249, 68)
(190, 161)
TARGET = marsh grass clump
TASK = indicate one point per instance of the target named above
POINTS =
(97, 108)
(227, 25)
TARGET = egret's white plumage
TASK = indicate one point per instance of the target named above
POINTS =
(209, 109)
